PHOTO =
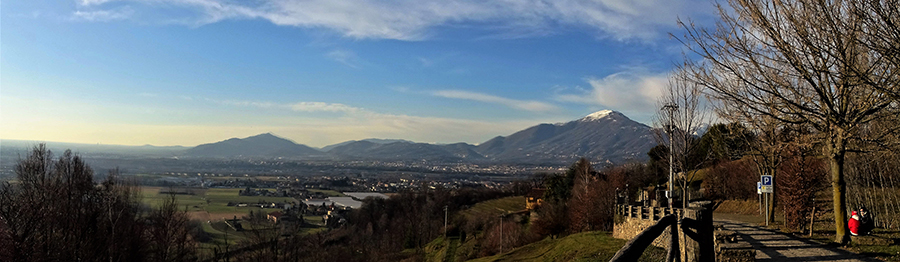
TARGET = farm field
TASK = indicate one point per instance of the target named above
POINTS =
(496, 207)
(328, 193)
(211, 204)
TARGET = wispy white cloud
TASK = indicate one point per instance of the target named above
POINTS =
(634, 90)
(93, 2)
(323, 107)
(416, 19)
(534, 106)
(103, 15)
(246, 103)
(346, 57)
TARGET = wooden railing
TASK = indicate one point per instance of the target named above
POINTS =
(695, 223)
(647, 213)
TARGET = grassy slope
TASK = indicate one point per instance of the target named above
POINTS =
(493, 208)
(587, 246)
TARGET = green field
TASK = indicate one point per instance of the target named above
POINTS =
(496, 207)
(587, 246)
(211, 204)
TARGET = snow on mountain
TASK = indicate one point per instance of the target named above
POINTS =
(601, 136)
(598, 115)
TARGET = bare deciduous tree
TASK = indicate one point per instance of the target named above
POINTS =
(683, 114)
(55, 212)
(799, 62)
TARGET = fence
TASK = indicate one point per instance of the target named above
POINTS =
(647, 213)
(694, 225)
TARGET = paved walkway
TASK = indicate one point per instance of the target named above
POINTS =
(776, 246)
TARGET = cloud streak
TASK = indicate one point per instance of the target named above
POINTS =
(533, 106)
(416, 19)
(634, 90)
(346, 57)
(103, 15)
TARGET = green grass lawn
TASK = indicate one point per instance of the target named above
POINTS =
(587, 246)
(212, 202)
(315, 220)
(493, 208)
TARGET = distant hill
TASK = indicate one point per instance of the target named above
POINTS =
(373, 140)
(602, 136)
(405, 151)
(264, 145)
(13, 148)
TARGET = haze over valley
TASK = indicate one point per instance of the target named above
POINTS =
(604, 137)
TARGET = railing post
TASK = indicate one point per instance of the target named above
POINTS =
(674, 252)
(697, 225)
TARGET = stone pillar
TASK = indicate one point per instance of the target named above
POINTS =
(697, 227)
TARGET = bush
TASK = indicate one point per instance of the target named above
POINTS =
(799, 178)
(731, 180)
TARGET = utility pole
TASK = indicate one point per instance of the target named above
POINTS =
(501, 233)
(671, 108)
(445, 220)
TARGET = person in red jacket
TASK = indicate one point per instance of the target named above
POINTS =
(853, 224)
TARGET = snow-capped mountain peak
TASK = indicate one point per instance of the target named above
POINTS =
(598, 115)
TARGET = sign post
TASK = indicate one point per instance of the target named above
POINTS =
(766, 186)
(759, 194)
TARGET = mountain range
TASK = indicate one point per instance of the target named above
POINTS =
(603, 136)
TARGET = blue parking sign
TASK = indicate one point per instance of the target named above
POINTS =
(766, 180)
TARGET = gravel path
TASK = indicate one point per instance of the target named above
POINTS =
(775, 246)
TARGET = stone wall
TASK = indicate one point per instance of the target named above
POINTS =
(632, 220)
(629, 227)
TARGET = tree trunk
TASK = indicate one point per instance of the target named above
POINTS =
(839, 187)
(771, 207)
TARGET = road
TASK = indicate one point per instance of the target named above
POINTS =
(776, 246)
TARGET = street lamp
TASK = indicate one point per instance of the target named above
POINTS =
(671, 108)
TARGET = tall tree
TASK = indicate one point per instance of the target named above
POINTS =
(799, 62)
(683, 115)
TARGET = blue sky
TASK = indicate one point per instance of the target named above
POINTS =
(186, 72)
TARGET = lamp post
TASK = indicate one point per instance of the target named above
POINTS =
(671, 108)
